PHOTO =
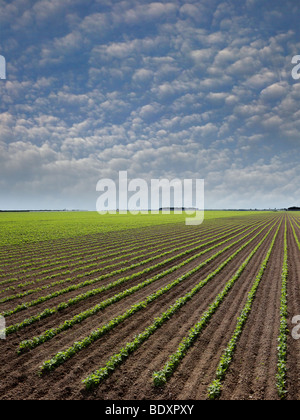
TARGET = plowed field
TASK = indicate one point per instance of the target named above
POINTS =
(147, 313)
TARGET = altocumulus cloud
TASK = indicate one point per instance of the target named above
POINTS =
(175, 89)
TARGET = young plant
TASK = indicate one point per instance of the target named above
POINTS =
(161, 377)
(214, 390)
(283, 330)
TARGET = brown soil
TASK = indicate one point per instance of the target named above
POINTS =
(251, 374)
(293, 356)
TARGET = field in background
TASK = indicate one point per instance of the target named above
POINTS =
(21, 228)
(145, 307)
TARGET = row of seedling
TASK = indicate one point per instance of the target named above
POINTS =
(29, 344)
(283, 329)
(215, 388)
(162, 376)
(93, 292)
(85, 273)
(115, 360)
(78, 286)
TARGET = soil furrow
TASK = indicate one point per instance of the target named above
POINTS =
(252, 372)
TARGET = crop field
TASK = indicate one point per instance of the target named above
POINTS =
(126, 307)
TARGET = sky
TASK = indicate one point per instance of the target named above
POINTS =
(175, 89)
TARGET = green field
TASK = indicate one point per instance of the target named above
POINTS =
(142, 306)
(20, 228)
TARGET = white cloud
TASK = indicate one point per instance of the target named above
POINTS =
(145, 12)
(217, 97)
(274, 92)
(264, 78)
(202, 56)
(161, 88)
(142, 75)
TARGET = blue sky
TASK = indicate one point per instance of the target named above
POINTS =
(179, 89)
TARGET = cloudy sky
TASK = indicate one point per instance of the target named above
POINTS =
(188, 89)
